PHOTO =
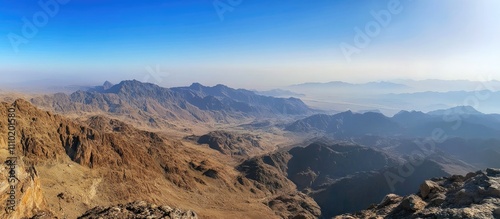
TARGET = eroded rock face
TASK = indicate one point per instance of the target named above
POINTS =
(476, 195)
(26, 199)
(138, 209)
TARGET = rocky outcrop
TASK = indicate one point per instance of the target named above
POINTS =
(24, 197)
(295, 206)
(231, 143)
(139, 209)
(476, 195)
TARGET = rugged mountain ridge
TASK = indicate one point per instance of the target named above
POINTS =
(475, 195)
(240, 100)
(139, 101)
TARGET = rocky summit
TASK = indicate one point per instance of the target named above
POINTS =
(139, 209)
(475, 195)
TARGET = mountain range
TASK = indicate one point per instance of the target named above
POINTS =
(153, 106)
(109, 151)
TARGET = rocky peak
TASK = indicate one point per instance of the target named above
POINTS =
(475, 195)
(107, 85)
(196, 86)
(132, 87)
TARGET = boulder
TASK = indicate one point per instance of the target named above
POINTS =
(389, 200)
(413, 203)
(429, 187)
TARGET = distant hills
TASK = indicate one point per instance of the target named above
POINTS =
(450, 85)
(341, 84)
(392, 96)
(405, 85)
(465, 122)
(460, 110)
(279, 93)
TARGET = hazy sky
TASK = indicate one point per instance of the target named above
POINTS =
(253, 44)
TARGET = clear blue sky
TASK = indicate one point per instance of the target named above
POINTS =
(256, 44)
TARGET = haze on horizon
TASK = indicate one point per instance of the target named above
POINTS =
(250, 44)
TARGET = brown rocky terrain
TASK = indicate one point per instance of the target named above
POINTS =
(76, 167)
(475, 195)
(102, 161)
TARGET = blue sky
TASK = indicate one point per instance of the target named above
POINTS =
(256, 44)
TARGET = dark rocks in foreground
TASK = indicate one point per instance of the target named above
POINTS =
(139, 209)
(476, 195)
